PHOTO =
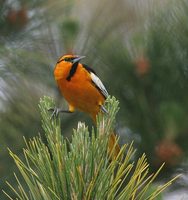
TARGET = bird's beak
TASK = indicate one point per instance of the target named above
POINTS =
(78, 58)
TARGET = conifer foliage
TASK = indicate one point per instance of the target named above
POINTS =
(81, 168)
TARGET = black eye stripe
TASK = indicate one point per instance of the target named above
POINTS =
(70, 59)
(67, 59)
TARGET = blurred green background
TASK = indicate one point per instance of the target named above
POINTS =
(138, 48)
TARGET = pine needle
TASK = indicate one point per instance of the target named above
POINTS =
(82, 168)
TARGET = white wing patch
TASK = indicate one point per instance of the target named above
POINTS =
(99, 84)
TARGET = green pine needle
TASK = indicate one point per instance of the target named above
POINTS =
(81, 169)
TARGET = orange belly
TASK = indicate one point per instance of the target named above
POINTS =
(79, 91)
(82, 95)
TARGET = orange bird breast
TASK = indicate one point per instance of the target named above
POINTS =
(79, 91)
(82, 89)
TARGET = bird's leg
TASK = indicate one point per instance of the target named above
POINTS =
(103, 109)
(56, 111)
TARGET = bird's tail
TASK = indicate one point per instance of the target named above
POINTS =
(113, 146)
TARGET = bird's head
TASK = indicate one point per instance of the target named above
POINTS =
(70, 58)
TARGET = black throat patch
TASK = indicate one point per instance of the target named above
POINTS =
(72, 71)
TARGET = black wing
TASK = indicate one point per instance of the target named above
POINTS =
(89, 69)
(96, 81)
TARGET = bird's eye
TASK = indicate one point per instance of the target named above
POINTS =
(68, 59)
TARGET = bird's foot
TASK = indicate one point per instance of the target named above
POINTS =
(103, 109)
(56, 111)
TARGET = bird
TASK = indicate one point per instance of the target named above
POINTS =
(83, 90)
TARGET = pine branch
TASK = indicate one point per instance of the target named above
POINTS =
(81, 169)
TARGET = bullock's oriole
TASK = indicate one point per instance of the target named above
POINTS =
(82, 89)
